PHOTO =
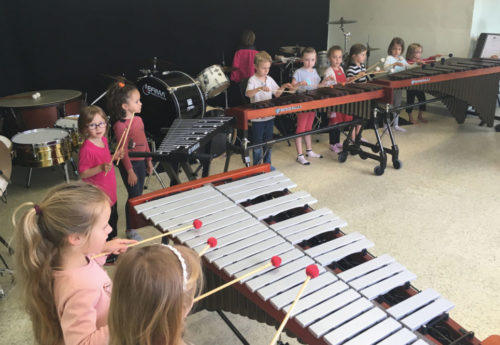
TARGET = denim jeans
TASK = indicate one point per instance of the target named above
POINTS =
(262, 131)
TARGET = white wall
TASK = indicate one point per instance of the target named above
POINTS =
(441, 26)
(485, 18)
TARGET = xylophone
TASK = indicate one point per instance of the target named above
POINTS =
(460, 81)
(357, 298)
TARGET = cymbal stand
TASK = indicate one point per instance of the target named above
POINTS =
(225, 91)
(346, 35)
(98, 98)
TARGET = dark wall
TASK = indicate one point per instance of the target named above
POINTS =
(69, 44)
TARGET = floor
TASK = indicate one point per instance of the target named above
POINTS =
(438, 216)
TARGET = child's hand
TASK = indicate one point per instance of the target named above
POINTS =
(120, 154)
(106, 167)
(117, 245)
(350, 79)
(400, 64)
(329, 78)
(132, 178)
(362, 74)
(149, 168)
(303, 83)
(287, 86)
(265, 88)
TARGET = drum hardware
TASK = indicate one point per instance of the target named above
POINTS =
(342, 22)
(227, 69)
(158, 63)
(5, 166)
(119, 78)
(295, 50)
(368, 50)
(213, 81)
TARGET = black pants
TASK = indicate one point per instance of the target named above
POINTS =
(113, 222)
(136, 190)
(410, 99)
(334, 136)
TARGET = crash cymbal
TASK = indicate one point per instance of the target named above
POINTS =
(229, 69)
(343, 21)
(370, 49)
(292, 49)
(116, 77)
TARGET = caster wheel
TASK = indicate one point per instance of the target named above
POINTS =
(362, 156)
(375, 149)
(342, 157)
(378, 170)
(397, 164)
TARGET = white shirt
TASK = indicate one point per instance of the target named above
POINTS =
(255, 83)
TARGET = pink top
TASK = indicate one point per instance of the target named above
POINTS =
(91, 155)
(136, 140)
(82, 297)
(244, 61)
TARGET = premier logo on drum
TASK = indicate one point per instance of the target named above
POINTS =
(418, 81)
(279, 110)
(150, 90)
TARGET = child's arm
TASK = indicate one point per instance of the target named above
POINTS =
(119, 129)
(296, 84)
(251, 93)
(95, 170)
(279, 92)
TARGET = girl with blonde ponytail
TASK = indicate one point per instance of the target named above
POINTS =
(66, 293)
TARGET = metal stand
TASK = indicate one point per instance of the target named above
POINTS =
(232, 327)
(66, 174)
(155, 172)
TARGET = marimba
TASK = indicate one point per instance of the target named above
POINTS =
(357, 298)
(460, 82)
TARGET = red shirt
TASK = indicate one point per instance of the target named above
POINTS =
(136, 139)
(244, 61)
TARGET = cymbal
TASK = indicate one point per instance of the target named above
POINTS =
(229, 69)
(370, 49)
(343, 21)
(116, 77)
(292, 49)
(160, 63)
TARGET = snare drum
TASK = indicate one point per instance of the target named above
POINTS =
(213, 81)
(323, 63)
(42, 147)
(70, 124)
(166, 98)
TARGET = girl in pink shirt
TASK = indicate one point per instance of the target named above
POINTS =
(66, 293)
(124, 100)
(94, 159)
(153, 292)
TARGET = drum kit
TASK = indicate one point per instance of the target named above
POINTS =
(38, 144)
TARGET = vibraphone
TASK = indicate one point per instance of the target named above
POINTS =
(460, 82)
(357, 298)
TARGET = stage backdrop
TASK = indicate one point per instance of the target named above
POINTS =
(70, 44)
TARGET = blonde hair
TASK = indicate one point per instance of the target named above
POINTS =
(308, 50)
(40, 235)
(87, 115)
(411, 50)
(261, 57)
(148, 301)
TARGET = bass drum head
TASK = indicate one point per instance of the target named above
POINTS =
(174, 95)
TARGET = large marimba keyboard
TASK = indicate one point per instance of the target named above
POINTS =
(357, 298)
(460, 82)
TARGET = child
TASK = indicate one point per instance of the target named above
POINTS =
(414, 55)
(356, 63)
(123, 102)
(306, 78)
(335, 75)
(66, 292)
(153, 292)
(94, 160)
(243, 59)
(261, 87)
(395, 62)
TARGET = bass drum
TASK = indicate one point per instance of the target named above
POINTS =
(173, 95)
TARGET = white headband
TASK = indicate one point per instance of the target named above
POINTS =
(183, 264)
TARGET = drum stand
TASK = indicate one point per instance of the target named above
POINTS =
(155, 166)
(6, 270)
(30, 171)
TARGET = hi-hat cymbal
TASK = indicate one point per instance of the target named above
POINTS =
(292, 49)
(343, 21)
(229, 69)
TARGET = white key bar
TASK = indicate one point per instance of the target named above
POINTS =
(376, 276)
(253, 255)
(309, 216)
(426, 314)
(172, 198)
(279, 273)
(284, 284)
(376, 333)
(421, 342)
(278, 201)
(401, 337)
(366, 267)
(253, 234)
(318, 297)
(387, 285)
(355, 326)
(310, 233)
(234, 216)
(255, 192)
(239, 184)
(308, 224)
(287, 297)
(413, 303)
(219, 232)
(328, 307)
(263, 214)
(341, 253)
(334, 244)
(262, 183)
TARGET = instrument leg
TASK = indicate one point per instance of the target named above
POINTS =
(232, 327)
(28, 178)
(172, 173)
(187, 169)
(73, 165)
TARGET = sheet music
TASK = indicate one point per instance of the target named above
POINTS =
(491, 47)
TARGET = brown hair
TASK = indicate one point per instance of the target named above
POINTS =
(118, 94)
(40, 235)
(356, 49)
(398, 41)
(148, 300)
(87, 115)
(410, 51)
(247, 38)
(262, 56)
(333, 49)
(308, 50)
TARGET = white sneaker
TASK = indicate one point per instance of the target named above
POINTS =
(338, 148)
(301, 159)
(133, 235)
(401, 129)
(313, 154)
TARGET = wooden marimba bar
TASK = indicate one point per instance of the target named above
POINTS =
(357, 298)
